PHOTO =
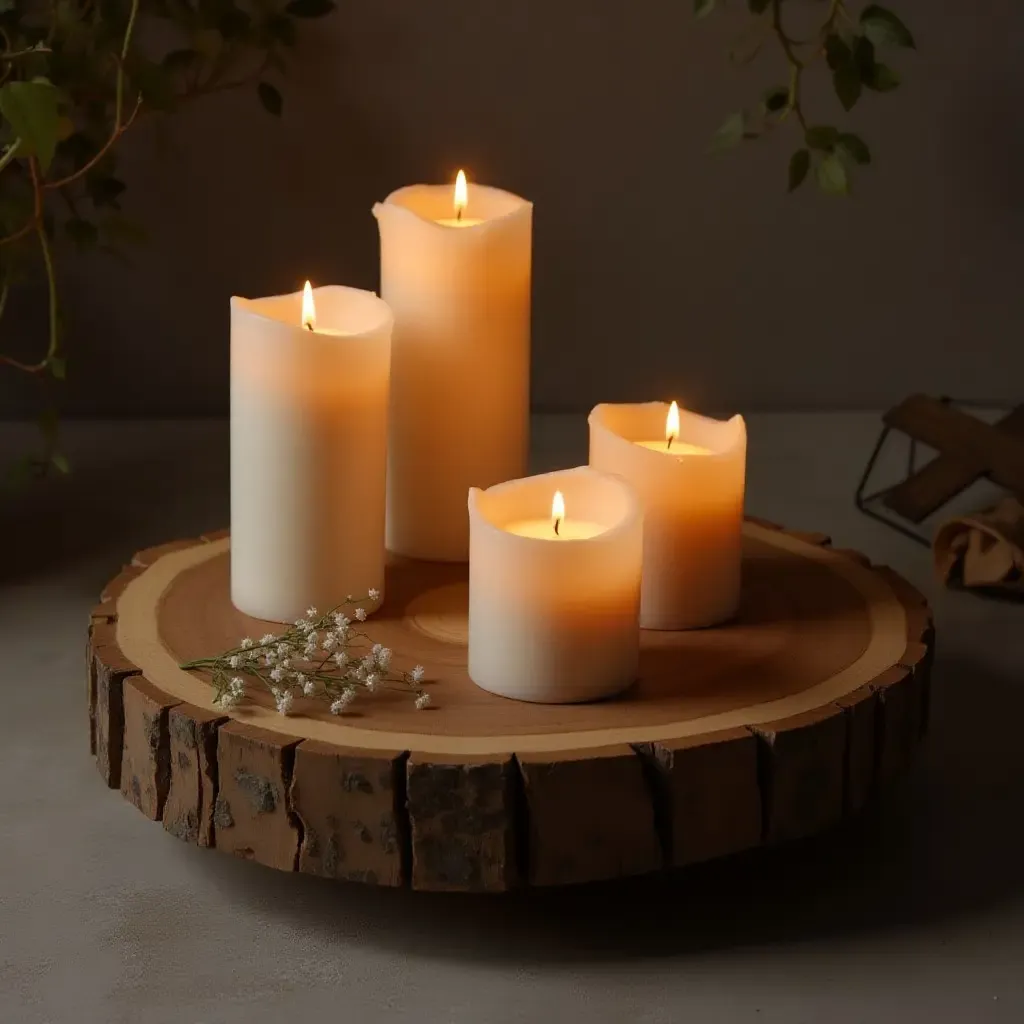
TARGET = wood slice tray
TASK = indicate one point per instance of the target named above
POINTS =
(765, 730)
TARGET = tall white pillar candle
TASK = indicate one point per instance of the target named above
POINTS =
(457, 275)
(554, 587)
(308, 450)
(692, 495)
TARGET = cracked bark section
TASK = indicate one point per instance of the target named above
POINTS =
(109, 669)
(707, 787)
(189, 810)
(146, 759)
(462, 823)
(802, 771)
(351, 805)
(590, 815)
(252, 812)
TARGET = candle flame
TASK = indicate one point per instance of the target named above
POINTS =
(671, 425)
(557, 511)
(461, 199)
(308, 309)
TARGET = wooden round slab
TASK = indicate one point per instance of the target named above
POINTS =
(766, 729)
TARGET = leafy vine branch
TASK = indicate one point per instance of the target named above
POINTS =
(849, 45)
(75, 77)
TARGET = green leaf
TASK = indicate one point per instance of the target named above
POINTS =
(58, 367)
(885, 28)
(832, 176)
(776, 99)
(104, 190)
(31, 108)
(853, 149)
(702, 8)
(82, 232)
(309, 8)
(847, 84)
(837, 51)
(822, 137)
(179, 60)
(60, 462)
(758, 6)
(799, 165)
(280, 29)
(155, 83)
(863, 56)
(270, 98)
(882, 78)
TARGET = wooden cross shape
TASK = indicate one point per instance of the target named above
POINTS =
(969, 450)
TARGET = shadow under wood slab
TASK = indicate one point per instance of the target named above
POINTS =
(766, 729)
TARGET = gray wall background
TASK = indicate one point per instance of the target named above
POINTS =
(659, 270)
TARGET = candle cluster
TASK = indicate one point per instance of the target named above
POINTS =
(360, 424)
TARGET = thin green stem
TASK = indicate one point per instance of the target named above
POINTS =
(119, 102)
(12, 152)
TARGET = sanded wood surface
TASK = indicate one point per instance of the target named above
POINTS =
(764, 730)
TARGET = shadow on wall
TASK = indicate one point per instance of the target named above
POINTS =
(658, 269)
(948, 844)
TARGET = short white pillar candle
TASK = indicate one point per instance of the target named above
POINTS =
(309, 402)
(691, 491)
(455, 268)
(554, 587)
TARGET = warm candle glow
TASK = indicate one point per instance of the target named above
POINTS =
(461, 200)
(671, 425)
(308, 309)
(557, 510)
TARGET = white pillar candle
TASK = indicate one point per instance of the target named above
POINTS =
(308, 450)
(455, 268)
(554, 587)
(691, 491)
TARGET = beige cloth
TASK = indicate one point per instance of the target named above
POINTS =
(985, 549)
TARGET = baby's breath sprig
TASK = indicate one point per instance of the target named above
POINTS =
(322, 656)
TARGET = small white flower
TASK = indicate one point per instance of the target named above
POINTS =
(301, 624)
(369, 662)
(330, 641)
(361, 614)
(340, 620)
(267, 638)
(284, 702)
(374, 594)
(237, 686)
(346, 698)
(247, 642)
(417, 674)
(341, 659)
(277, 675)
(286, 663)
(309, 688)
(422, 701)
(383, 658)
(372, 681)
(283, 650)
(312, 646)
(234, 661)
(311, 613)
(227, 699)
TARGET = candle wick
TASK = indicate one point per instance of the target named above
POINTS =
(309, 327)
(668, 444)
(458, 213)
(558, 522)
